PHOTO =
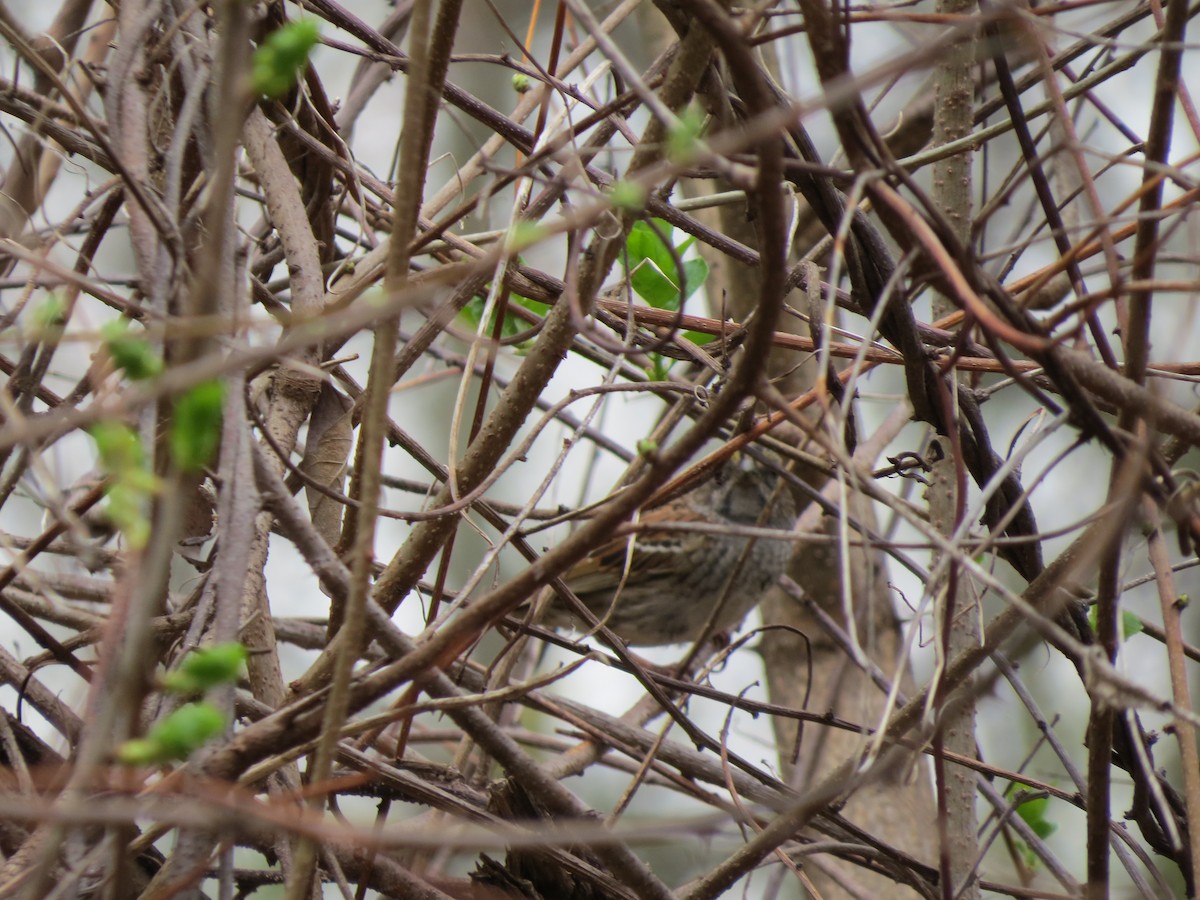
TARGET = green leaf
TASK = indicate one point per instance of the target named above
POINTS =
(49, 315)
(1034, 813)
(1032, 810)
(644, 242)
(177, 736)
(123, 459)
(132, 355)
(280, 59)
(473, 312)
(695, 273)
(1027, 855)
(650, 258)
(119, 447)
(682, 140)
(206, 668)
(653, 286)
(629, 196)
(654, 274)
(139, 752)
(522, 234)
(188, 728)
(196, 425)
(126, 510)
(1130, 623)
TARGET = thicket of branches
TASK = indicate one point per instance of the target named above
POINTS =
(225, 333)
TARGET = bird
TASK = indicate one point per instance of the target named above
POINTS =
(661, 586)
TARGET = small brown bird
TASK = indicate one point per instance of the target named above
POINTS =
(664, 589)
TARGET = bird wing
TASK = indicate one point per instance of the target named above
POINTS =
(654, 555)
